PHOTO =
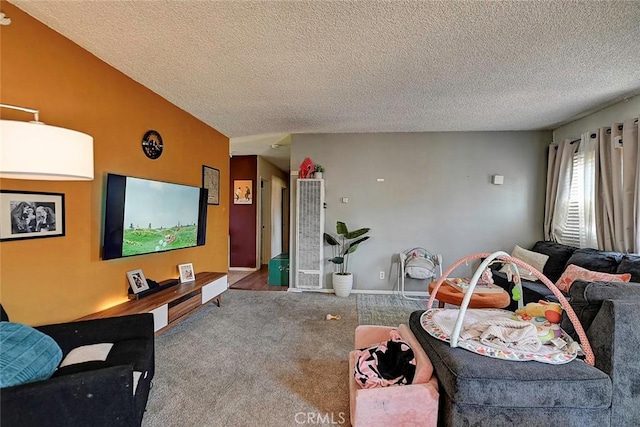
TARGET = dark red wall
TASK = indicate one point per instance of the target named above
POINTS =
(242, 218)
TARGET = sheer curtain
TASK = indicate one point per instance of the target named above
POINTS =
(559, 169)
(631, 184)
(617, 204)
(593, 190)
(584, 186)
(634, 145)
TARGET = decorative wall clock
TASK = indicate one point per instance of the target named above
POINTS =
(152, 144)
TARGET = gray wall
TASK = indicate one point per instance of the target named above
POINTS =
(437, 193)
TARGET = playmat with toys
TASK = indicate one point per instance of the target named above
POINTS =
(532, 333)
(503, 335)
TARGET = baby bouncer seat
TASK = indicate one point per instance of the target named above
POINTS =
(418, 263)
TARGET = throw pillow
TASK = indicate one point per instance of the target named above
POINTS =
(534, 259)
(27, 355)
(595, 260)
(573, 272)
(558, 253)
(87, 353)
(630, 264)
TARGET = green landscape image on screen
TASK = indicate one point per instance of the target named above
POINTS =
(159, 216)
(142, 241)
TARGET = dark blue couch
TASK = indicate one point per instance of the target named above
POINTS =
(97, 394)
(560, 256)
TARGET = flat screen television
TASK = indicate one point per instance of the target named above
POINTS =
(144, 216)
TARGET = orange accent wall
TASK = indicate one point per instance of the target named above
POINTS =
(63, 278)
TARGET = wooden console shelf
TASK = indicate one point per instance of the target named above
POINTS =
(173, 304)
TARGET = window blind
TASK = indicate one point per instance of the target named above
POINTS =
(570, 230)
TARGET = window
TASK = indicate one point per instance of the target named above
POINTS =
(579, 228)
(599, 161)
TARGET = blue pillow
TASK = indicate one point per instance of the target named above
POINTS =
(26, 355)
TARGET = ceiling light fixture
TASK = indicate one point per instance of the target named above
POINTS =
(33, 150)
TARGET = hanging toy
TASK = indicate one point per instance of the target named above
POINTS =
(515, 293)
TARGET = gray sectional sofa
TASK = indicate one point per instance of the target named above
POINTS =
(561, 256)
(480, 391)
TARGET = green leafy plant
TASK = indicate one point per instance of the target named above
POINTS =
(345, 245)
(318, 168)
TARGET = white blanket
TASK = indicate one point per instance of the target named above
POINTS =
(446, 318)
(504, 334)
(495, 333)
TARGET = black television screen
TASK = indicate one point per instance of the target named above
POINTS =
(144, 216)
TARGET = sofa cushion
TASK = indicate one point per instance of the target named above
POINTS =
(4, 317)
(80, 367)
(630, 264)
(471, 379)
(27, 355)
(586, 300)
(558, 254)
(595, 260)
(135, 352)
(573, 273)
(534, 259)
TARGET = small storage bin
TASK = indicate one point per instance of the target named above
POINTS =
(279, 270)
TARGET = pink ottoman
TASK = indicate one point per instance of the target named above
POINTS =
(409, 405)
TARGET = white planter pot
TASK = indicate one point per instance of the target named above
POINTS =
(342, 284)
(318, 175)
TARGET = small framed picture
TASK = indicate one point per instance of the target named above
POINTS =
(137, 281)
(186, 273)
(30, 215)
(211, 181)
(242, 192)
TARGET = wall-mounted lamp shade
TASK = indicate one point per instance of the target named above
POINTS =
(43, 152)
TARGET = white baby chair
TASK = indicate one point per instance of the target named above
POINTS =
(418, 263)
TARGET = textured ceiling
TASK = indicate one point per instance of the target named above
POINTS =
(252, 68)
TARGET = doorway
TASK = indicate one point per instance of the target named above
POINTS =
(265, 223)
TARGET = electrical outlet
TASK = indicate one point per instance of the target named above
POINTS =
(382, 275)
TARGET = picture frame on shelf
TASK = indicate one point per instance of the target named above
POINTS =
(31, 215)
(242, 192)
(186, 273)
(211, 181)
(137, 281)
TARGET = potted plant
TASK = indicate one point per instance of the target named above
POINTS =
(342, 247)
(318, 170)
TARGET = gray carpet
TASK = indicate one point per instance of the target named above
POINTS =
(263, 359)
(386, 310)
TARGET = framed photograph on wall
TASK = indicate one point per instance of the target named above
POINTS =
(242, 191)
(211, 181)
(186, 273)
(137, 281)
(30, 215)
